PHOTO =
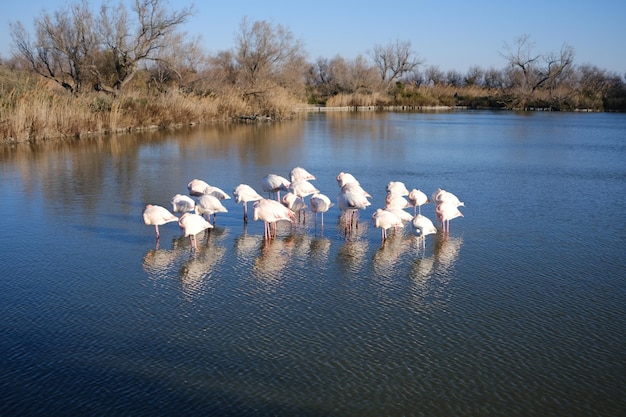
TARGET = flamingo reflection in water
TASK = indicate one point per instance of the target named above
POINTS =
(197, 271)
(273, 258)
(430, 275)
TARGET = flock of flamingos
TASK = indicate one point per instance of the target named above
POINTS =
(196, 212)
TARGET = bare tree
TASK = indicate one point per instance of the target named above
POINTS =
(474, 76)
(268, 53)
(435, 75)
(73, 48)
(394, 60)
(126, 44)
(454, 78)
(64, 45)
(177, 65)
(530, 71)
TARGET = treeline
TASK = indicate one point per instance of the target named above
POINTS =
(85, 70)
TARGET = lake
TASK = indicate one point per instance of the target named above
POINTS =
(519, 310)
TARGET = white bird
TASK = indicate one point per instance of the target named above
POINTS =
(422, 226)
(397, 188)
(192, 224)
(355, 187)
(405, 216)
(344, 178)
(302, 188)
(271, 211)
(196, 187)
(441, 196)
(274, 183)
(209, 204)
(157, 216)
(182, 203)
(244, 193)
(299, 173)
(384, 220)
(216, 192)
(417, 199)
(293, 202)
(393, 201)
(445, 212)
(350, 203)
(320, 203)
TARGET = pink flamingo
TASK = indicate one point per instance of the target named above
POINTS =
(417, 199)
(244, 193)
(445, 212)
(299, 173)
(157, 216)
(320, 203)
(271, 211)
(274, 183)
(192, 224)
(209, 204)
(182, 203)
(385, 220)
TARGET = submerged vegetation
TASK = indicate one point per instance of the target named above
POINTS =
(84, 72)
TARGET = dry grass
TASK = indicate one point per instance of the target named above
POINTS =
(44, 111)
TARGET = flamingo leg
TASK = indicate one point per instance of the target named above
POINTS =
(156, 226)
(245, 212)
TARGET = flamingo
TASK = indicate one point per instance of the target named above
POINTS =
(422, 226)
(320, 203)
(302, 188)
(157, 216)
(417, 198)
(384, 220)
(405, 216)
(441, 196)
(209, 204)
(217, 192)
(393, 201)
(196, 187)
(271, 211)
(396, 188)
(445, 212)
(344, 178)
(274, 183)
(182, 203)
(299, 173)
(350, 203)
(355, 187)
(192, 224)
(293, 202)
(244, 193)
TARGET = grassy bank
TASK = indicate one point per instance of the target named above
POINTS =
(34, 109)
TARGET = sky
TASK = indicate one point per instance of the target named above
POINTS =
(452, 35)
